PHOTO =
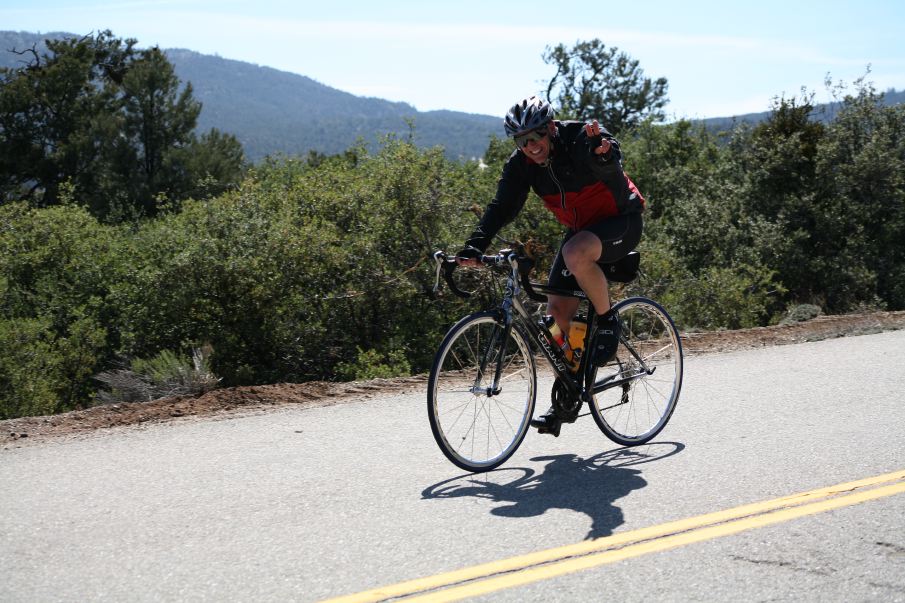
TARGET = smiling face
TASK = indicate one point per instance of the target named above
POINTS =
(536, 144)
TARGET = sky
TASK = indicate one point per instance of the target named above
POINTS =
(481, 56)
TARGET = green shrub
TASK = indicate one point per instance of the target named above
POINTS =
(27, 369)
(42, 373)
(166, 374)
(801, 313)
(56, 266)
(734, 297)
(372, 364)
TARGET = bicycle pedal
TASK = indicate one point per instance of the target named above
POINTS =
(552, 430)
(545, 427)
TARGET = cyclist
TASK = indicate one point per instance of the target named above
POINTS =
(576, 169)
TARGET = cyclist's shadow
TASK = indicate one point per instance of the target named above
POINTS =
(590, 486)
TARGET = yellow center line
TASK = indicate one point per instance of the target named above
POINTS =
(542, 565)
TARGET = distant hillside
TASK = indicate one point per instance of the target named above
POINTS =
(273, 111)
(825, 112)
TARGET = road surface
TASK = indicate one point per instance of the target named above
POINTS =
(307, 504)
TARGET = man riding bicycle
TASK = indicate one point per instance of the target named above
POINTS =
(576, 169)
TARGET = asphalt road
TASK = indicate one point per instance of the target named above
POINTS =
(308, 504)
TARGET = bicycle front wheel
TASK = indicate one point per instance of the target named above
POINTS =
(636, 393)
(477, 423)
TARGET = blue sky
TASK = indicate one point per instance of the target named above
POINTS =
(480, 56)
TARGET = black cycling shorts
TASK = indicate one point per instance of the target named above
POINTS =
(618, 234)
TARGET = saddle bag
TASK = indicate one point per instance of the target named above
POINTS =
(624, 270)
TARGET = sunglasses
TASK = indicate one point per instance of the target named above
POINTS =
(522, 140)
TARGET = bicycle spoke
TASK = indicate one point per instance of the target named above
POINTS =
(491, 429)
(668, 346)
(513, 375)
(506, 418)
(461, 413)
(455, 408)
(510, 407)
(467, 390)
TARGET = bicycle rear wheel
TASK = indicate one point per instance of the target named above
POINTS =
(478, 428)
(636, 393)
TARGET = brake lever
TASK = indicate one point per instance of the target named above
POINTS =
(439, 258)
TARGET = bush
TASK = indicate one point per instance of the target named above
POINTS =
(42, 373)
(56, 266)
(290, 275)
(801, 313)
(166, 374)
(734, 297)
(371, 364)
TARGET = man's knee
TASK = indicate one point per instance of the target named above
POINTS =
(582, 248)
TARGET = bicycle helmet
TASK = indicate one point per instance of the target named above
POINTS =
(528, 114)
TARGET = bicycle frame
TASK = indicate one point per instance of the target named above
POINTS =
(513, 311)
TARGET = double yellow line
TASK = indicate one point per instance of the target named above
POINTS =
(543, 565)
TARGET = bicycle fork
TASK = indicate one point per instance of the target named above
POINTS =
(497, 363)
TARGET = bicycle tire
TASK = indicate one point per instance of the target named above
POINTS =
(478, 430)
(636, 411)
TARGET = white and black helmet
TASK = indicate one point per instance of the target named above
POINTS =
(528, 114)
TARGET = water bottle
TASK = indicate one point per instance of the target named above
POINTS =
(577, 331)
(571, 346)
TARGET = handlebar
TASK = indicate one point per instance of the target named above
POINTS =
(522, 265)
(447, 266)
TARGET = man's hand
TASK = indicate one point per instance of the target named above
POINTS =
(593, 131)
(469, 256)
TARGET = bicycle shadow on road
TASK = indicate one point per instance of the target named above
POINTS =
(590, 486)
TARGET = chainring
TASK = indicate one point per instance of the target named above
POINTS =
(567, 407)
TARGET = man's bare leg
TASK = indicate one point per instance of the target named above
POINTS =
(581, 254)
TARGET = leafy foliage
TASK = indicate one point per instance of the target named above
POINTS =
(55, 268)
(371, 364)
(800, 211)
(96, 117)
(595, 82)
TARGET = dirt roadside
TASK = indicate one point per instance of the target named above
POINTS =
(244, 400)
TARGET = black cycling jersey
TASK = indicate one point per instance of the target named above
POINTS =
(580, 188)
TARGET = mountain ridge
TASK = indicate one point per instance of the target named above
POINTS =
(273, 112)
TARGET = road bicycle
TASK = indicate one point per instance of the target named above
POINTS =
(483, 382)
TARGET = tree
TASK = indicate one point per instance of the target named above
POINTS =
(214, 162)
(110, 125)
(50, 126)
(860, 188)
(596, 82)
(157, 121)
